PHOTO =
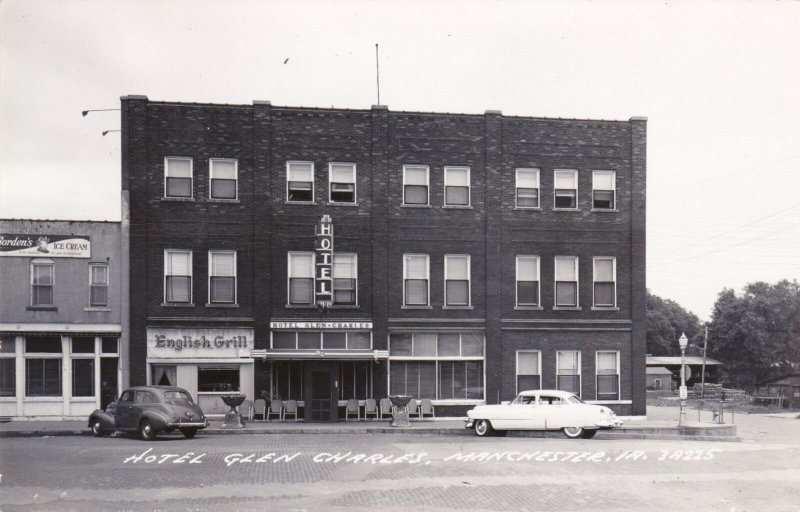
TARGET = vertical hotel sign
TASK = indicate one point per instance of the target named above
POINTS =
(323, 276)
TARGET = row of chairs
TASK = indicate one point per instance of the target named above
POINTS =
(284, 408)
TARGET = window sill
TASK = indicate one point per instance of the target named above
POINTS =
(42, 308)
(415, 307)
(221, 305)
(528, 308)
(404, 205)
(222, 200)
(566, 209)
(344, 306)
(605, 308)
(51, 398)
(79, 399)
(178, 199)
(300, 202)
(528, 208)
(97, 308)
(301, 306)
(330, 203)
(177, 305)
(7, 399)
(604, 210)
(566, 308)
(457, 206)
(457, 307)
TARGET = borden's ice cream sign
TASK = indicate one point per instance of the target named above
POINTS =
(46, 246)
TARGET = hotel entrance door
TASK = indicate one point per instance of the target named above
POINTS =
(321, 392)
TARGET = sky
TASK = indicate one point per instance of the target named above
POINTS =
(717, 81)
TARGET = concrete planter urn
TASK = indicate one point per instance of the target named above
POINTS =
(232, 418)
(400, 415)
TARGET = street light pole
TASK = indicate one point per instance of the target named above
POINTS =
(703, 376)
(682, 342)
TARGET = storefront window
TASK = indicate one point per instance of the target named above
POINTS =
(417, 379)
(83, 377)
(355, 379)
(217, 379)
(83, 345)
(165, 375)
(8, 371)
(43, 367)
(287, 381)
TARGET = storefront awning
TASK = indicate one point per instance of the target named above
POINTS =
(270, 354)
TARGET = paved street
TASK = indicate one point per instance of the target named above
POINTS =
(402, 472)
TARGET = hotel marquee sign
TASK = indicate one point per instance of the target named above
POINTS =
(321, 325)
(45, 246)
(323, 273)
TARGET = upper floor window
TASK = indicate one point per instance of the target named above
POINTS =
(456, 186)
(224, 177)
(415, 184)
(527, 185)
(98, 284)
(345, 279)
(342, 184)
(301, 278)
(222, 277)
(566, 281)
(42, 279)
(416, 280)
(178, 177)
(604, 190)
(605, 289)
(300, 182)
(456, 280)
(565, 187)
(527, 280)
(177, 276)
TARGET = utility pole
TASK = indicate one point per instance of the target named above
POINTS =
(703, 375)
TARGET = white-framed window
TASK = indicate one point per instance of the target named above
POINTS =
(300, 182)
(416, 185)
(607, 365)
(565, 189)
(456, 186)
(527, 188)
(529, 370)
(457, 282)
(222, 283)
(528, 283)
(43, 365)
(8, 366)
(301, 278)
(98, 284)
(345, 279)
(342, 183)
(566, 275)
(177, 276)
(604, 190)
(83, 354)
(42, 281)
(224, 174)
(416, 280)
(605, 282)
(438, 366)
(326, 340)
(178, 174)
(568, 371)
(218, 378)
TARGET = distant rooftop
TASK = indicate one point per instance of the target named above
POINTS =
(676, 360)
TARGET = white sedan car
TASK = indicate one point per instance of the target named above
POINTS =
(543, 410)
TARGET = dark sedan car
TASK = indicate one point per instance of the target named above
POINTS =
(149, 410)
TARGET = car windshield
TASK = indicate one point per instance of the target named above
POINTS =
(575, 400)
(177, 395)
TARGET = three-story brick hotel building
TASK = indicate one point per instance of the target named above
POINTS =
(328, 254)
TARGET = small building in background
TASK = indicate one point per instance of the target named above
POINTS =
(62, 349)
(784, 391)
(658, 378)
(694, 363)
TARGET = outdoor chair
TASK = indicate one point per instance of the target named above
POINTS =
(370, 407)
(260, 407)
(352, 408)
(386, 407)
(275, 407)
(290, 407)
(412, 407)
(426, 409)
(246, 410)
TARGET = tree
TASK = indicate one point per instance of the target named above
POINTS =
(757, 334)
(666, 320)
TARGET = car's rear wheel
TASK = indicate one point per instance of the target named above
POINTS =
(189, 433)
(588, 433)
(146, 430)
(573, 432)
(483, 428)
(97, 429)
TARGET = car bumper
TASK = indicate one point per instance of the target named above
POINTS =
(188, 424)
(468, 423)
(609, 423)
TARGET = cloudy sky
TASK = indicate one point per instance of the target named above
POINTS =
(718, 82)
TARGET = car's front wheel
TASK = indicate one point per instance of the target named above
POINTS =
(189, 433)
(483, 428)
(146, 430)
(97, 429)
(573, 432)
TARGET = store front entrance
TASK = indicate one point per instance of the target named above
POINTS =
(321, 392)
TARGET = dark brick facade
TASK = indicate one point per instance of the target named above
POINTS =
(263, 227)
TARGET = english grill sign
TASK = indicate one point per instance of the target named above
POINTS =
(45, 246)
(323, 273)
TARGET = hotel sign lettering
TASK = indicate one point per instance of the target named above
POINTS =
(45, 246)
(321, 325)
(206, 343)
(323, 273)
